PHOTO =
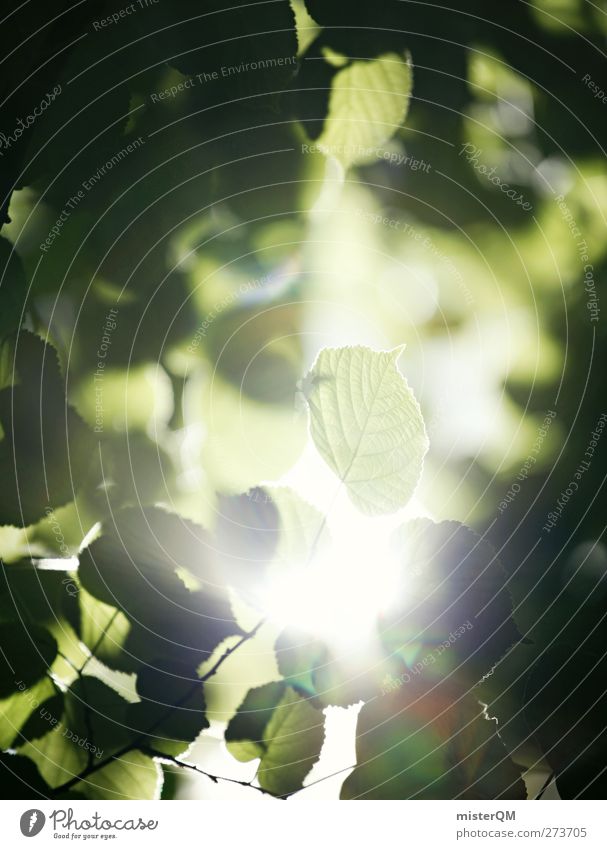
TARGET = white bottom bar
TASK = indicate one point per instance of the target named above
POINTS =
(300, 826)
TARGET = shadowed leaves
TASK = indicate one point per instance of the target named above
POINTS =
(26, 654)
(171, 713)
(566, 698)
(46, 448)
(139, 566)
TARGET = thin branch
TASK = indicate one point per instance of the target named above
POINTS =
(68, 661)
(324, 778)
(87, 710)
(99, 641)
(245, 637)
(545, 785)
(154, 753)
(88, 724)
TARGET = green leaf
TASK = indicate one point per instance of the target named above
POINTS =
(92, 727)
(452, 613)
(171, 713)
(26, 654)
(104, 631)
(245, 733)
(413, 744)
(37, 723)
(57, 759)
(21, 709)
(367, 426)
(283, 730)
(369, 102)
(132, 776)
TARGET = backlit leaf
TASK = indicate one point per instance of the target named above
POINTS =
(132, 776)
(367, 426)
(368, 103)
(92, 726)
(281, 728)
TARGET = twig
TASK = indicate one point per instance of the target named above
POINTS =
(99, 641)
(245, 637)
(545, 785)
(154, 753)
(68, 661)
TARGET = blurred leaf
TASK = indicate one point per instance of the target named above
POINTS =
(283, 730)
(246, 533)
(84, 124)
(223, 42)
(566, 698)
(453, 613)
(258, 351)
(140, 468)
(367, 426)
(426, 745)
(311, 668)
(125, 400)
(246, 441)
